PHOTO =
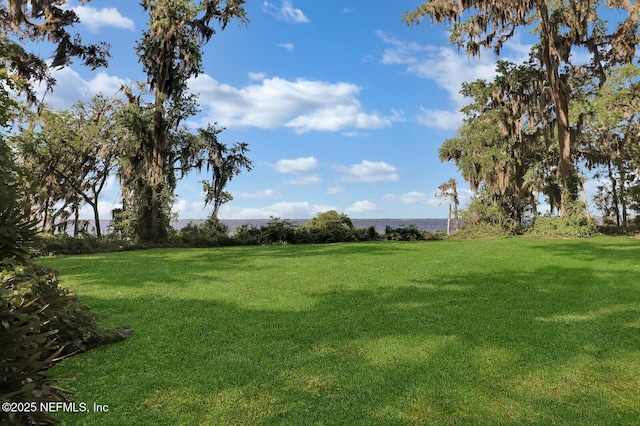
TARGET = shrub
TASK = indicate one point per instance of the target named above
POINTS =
(409, 233)
(560, 227)
(40, 324)
(28, 349)
(575, 225)
(366, 234)
(482, 230)
(74, 325)
(439, 234)
(328, 227)
(277, 231)
(58, 244)
(211, 233)
(245, 235)
(15, 232)
(330, 220)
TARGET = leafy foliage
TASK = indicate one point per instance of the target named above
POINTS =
(330, 220)
(16, 230)
(329, 227)
(408, 233)
(38, 20)
(575, 225)
(40, 324)
(224, 163)
(69, 155)
(277, 231)
(212, 233)
(171, 53)
(28, 349)
(561, 26)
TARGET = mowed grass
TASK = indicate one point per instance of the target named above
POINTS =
(497, 331)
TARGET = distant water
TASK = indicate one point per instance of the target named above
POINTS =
(430, 225)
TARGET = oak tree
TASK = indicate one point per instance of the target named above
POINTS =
(561, 27)
(171, 53)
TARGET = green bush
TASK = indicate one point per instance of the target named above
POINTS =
(212, 233)
(366, 234)
(408, 233)
(439, 234)
(574, 225)
(64, 244)
(245, 235)
(559, 227)
(482, 230)
(277, 231)
(330, 220)
(28, 349)
(59, 244)
(74, 325)
(329, 227)
(40, 324)
(16, 230)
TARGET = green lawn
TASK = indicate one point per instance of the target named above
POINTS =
(497, 331)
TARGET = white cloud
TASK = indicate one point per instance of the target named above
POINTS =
(428, 199)
(302, 105)
(337, 118)
(305, 180)
(104, 210)
(267, 193)
(363, 206)
(413, 197)
(287, 46)
(334, 190)
(440, 119)
(286, 12)
(190, 209)
(297, 165)
(94, 19)
(71, 87)
(257, 76)
(448, 68)
(285, 210)
(369, 171)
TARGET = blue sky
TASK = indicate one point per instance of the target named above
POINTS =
(342, 104)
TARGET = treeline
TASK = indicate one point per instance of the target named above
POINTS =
(542, 127)
(52, 162)
(505, 147)
(327, 227)
(64, 160)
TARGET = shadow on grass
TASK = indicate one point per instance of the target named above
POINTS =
(173, 265)
(616, 250)
(470, 349)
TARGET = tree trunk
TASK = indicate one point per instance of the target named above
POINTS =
(623, 196)
(45, 219)
(614, 194)
(76, 219)
(559, 93)
(449, 221)
(96, 218)
(456, 220)
(155, 231)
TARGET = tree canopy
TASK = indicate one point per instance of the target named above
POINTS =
(560, 26)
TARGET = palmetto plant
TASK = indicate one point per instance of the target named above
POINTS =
(16, 230)
(28, 349)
